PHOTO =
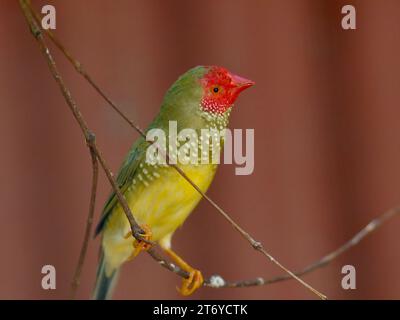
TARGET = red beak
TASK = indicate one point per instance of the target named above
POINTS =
(241, 83)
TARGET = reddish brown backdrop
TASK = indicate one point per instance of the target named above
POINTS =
(327, 153)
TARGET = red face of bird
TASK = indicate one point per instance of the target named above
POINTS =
(221, 88)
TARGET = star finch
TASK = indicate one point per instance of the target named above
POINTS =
(158, 196)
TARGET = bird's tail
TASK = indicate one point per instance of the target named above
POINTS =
(104, 283)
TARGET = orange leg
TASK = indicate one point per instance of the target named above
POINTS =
(140, 246)
(195, 279)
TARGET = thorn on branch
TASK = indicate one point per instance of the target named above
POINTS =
(35, 31)
(78, 66)
(90, 138)
(257, 245)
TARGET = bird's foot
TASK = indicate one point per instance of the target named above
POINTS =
(139, 245)
(195, 279)
(192, 283)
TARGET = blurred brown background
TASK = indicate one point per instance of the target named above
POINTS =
(325, 110)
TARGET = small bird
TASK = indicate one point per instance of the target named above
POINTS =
(159, 197)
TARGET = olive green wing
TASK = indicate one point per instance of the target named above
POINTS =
(124, 179)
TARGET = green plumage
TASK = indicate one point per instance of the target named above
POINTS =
(181, 104)
(156, 194)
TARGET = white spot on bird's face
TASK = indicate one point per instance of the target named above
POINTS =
(216, 119)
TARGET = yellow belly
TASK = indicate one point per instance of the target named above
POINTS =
(162, 199)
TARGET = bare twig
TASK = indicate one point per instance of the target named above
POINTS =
(95, 174)
(215, 281)
(218, 282)
(36, 31)
(78, 66)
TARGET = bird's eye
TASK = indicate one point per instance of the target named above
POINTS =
(216, 89)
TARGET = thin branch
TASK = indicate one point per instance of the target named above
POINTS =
(89, 222)
(218, 282)
(36, 31)
(215, 281)
(135, 228)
